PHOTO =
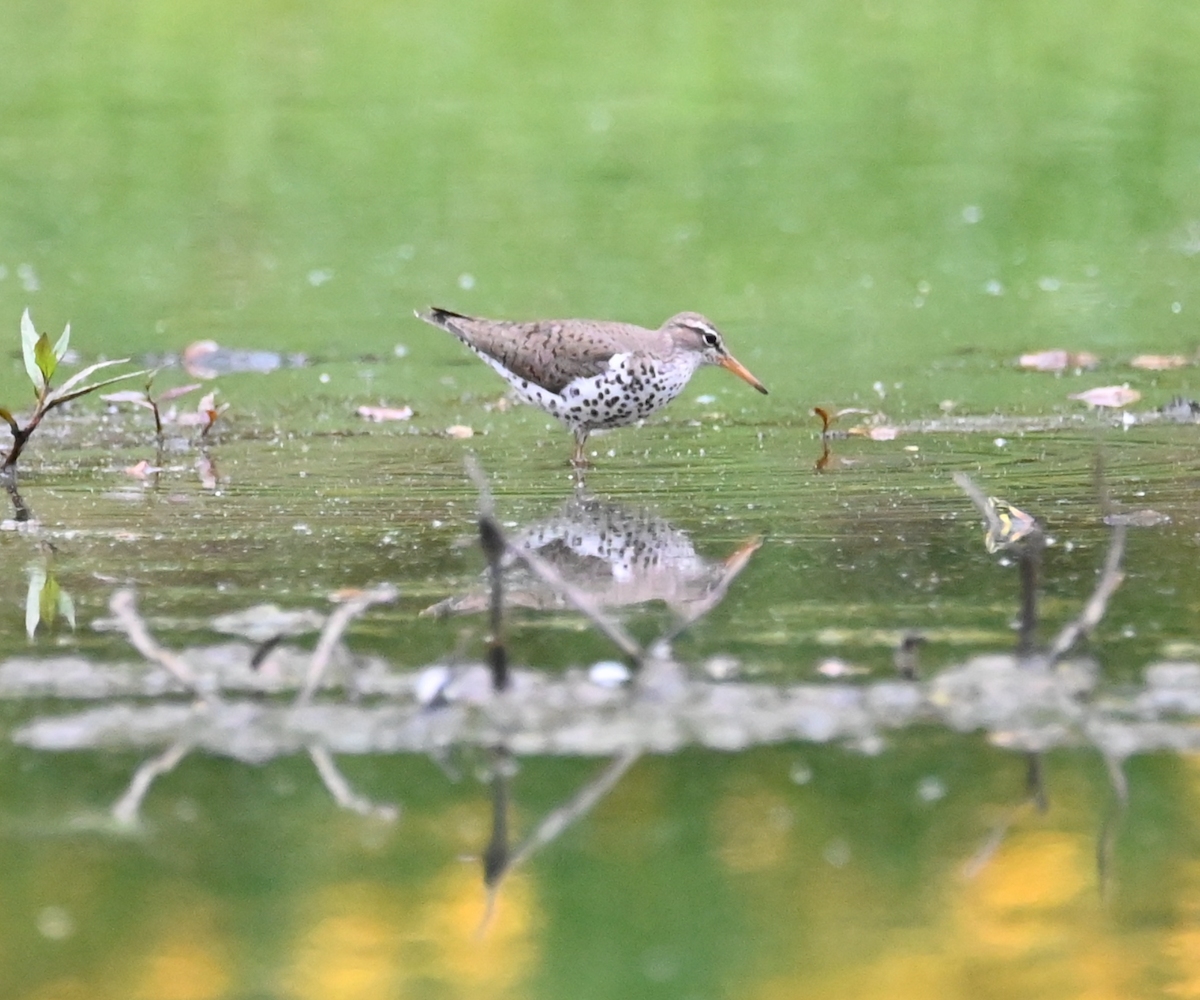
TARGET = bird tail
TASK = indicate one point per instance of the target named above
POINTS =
(443, 318)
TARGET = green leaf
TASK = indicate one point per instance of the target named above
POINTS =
(48, 601)
(33, 597)
(66, 607)
(62, 395)
(79, 376)
(44, 356)
(29, 339)
(64, 342)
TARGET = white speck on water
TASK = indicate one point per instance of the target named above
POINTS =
(436, 523)
(55, 924)
(1049, 284)
(302, 529)
(1177, 307)
(972, 214)
(931, 788)
(608, 673)
(3, 272)
(880, 391)
(837, 853)
(800, 773)
(600, 120)
(918, 301)
(430, 683)
(323, 378)
(924, 288)
(867, 281)
(319, 276)
(466, 281)
(994, 287)
(29, 278)
(1129, 632)
(400, 351)
(406, 251)
(706, 399)
(1001, 442)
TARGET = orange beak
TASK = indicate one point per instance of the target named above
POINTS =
(741, 371)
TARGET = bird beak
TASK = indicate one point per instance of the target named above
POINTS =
(741, 371)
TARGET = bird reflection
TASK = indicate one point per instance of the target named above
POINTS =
(618, 555)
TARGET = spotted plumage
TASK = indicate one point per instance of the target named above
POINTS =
(594, 374)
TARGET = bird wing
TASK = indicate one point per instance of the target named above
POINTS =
(549, 353)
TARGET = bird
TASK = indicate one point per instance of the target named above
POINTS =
(594, 374)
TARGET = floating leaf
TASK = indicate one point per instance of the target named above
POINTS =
(1058, 360)
(1145, 518)
(460, 431)
(1046, 361)
(1159, 362)
(1108, 395)
(29, 339)
(180, 390)
(379, 414)
(128, 396)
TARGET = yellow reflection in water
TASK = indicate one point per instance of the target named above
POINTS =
(368, 941)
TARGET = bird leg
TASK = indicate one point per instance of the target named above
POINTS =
(578, 459)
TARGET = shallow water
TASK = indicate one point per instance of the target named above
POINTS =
(882, 206)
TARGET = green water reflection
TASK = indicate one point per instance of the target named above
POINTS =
(882, 204)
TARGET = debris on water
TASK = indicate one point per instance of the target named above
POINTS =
(1184, 411)
(461, 431)
(265, 621)
(722, 667)
(931, 789)
(609, 673)
(207, 359)
(1058, 360)
(835, 667)
(1159, 362)
(381, 414)
(1114, 396)
(1138, 519)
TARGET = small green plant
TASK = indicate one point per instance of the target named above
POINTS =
(150, 402)
(41, 362)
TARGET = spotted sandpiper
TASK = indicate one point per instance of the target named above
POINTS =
(593, 374)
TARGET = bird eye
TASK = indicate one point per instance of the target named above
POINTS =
(711, 339)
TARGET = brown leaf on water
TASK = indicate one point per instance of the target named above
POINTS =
(143, 470)
(875, 433)
(1058, 360)
(1046, 361)
(1145, 518)
(381, 414)
(460, 431)
(1108, 395)
(1159, 362)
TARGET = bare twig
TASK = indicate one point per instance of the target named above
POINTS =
(1093, 611)
(331, 634)
(345, 796)
(556, 822)
(125, 809)
(123, 605)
